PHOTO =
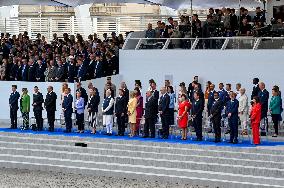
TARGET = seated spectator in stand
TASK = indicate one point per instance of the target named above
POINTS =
(23, 71)
(150, 32)
(234, 21)
(164, 31)
(81, 70)
(259, 16)
(196, 26)
(245, 28)
(158, 29)
(3, 69)
(60, 72)
(51, 72)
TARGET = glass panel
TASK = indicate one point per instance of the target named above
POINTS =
(150, 44)
(271, 44)
(240, 43)
(131, 44)
(210, 44)
(180, 43)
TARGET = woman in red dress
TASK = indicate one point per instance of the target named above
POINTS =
(255, 117)
(184, 107)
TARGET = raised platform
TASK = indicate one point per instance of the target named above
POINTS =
(196, 163)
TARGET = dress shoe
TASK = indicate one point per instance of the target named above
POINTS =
(144, 136)
(67, 131)
(152, 137)
(217, 140)
(109, 134)
(227, 132)
(199, 139)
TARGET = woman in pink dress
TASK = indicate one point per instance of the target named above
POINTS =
(184, 107)
(139, 109)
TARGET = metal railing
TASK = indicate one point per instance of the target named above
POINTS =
(214, 43)
(73, 25)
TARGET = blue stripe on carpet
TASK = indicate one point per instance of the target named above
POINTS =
(173, 139)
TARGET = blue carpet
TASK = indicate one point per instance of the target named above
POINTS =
(172, 139)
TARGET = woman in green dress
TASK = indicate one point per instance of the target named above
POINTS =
(25, 108)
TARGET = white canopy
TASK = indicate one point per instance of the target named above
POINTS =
(175, 4)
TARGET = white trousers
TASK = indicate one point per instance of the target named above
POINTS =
(108, 122)
(244, 120)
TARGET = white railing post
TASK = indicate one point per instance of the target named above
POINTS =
(29, 26)
(117, 20)
(225, 44)
(5, 25)
(95, 25)
(256, 44)
(126, 41)
(166, 44)
(194, 43)
(138, 44)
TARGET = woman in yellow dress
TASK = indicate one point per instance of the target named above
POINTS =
(132, 104)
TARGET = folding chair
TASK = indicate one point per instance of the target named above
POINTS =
(141, 126)
(224, 128)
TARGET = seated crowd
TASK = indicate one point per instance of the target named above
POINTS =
(217, 105)
(62, 60)
(220, 23)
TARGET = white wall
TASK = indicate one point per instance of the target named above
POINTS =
(229, 66)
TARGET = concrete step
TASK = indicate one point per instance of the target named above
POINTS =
(146, 148)
(250, 169)
(126, 152)
(140, 171)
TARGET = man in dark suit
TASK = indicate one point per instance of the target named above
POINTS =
(31, 71)
(14, 106)
(81, 71)
(90, 67)
(233, 118)
(255, 89)
(215, 116)
(39, 73)
(50, 106)
(155, 94)
(150, 115)
(196, 113)
(120, 112)
(98, 67)
(263, 95)
(71, 67)
(68, 110)
(37, 104)
(60, 72)
(23, 72)
(164, 112)
(211, 98)
(14, 70)
(114, 61)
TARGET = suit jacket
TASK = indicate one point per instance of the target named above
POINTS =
(51, 74)
(216, 109)
(60, 73)
(31, 73)
(67, 104)
(155, 94)
(197, 109)
(23, 73)
(38, 100)
(211, 100)
(50, 101)
(255, 91)
(13, 72)
(150, 108)
(14, 100)
(223, 95)
(121, 105)
(243, 104)
(25, 103)
(71, 72)
(98, 69)
(40, 73)
(93, 103)
(164, 105)
(90, 69)
(264, 97)
(81, 73)
(232, 107)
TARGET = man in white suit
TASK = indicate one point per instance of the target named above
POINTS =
(243, 110)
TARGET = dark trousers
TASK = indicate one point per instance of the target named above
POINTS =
(80, 121)
(275, 120)
(13, 117)
(149, 125)
(120, 124)
(165, 126)
(39, 120)
(68, 120)
(51, 119)
(217, 128)
(197, 124)
(233, 124)
(172, 116)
